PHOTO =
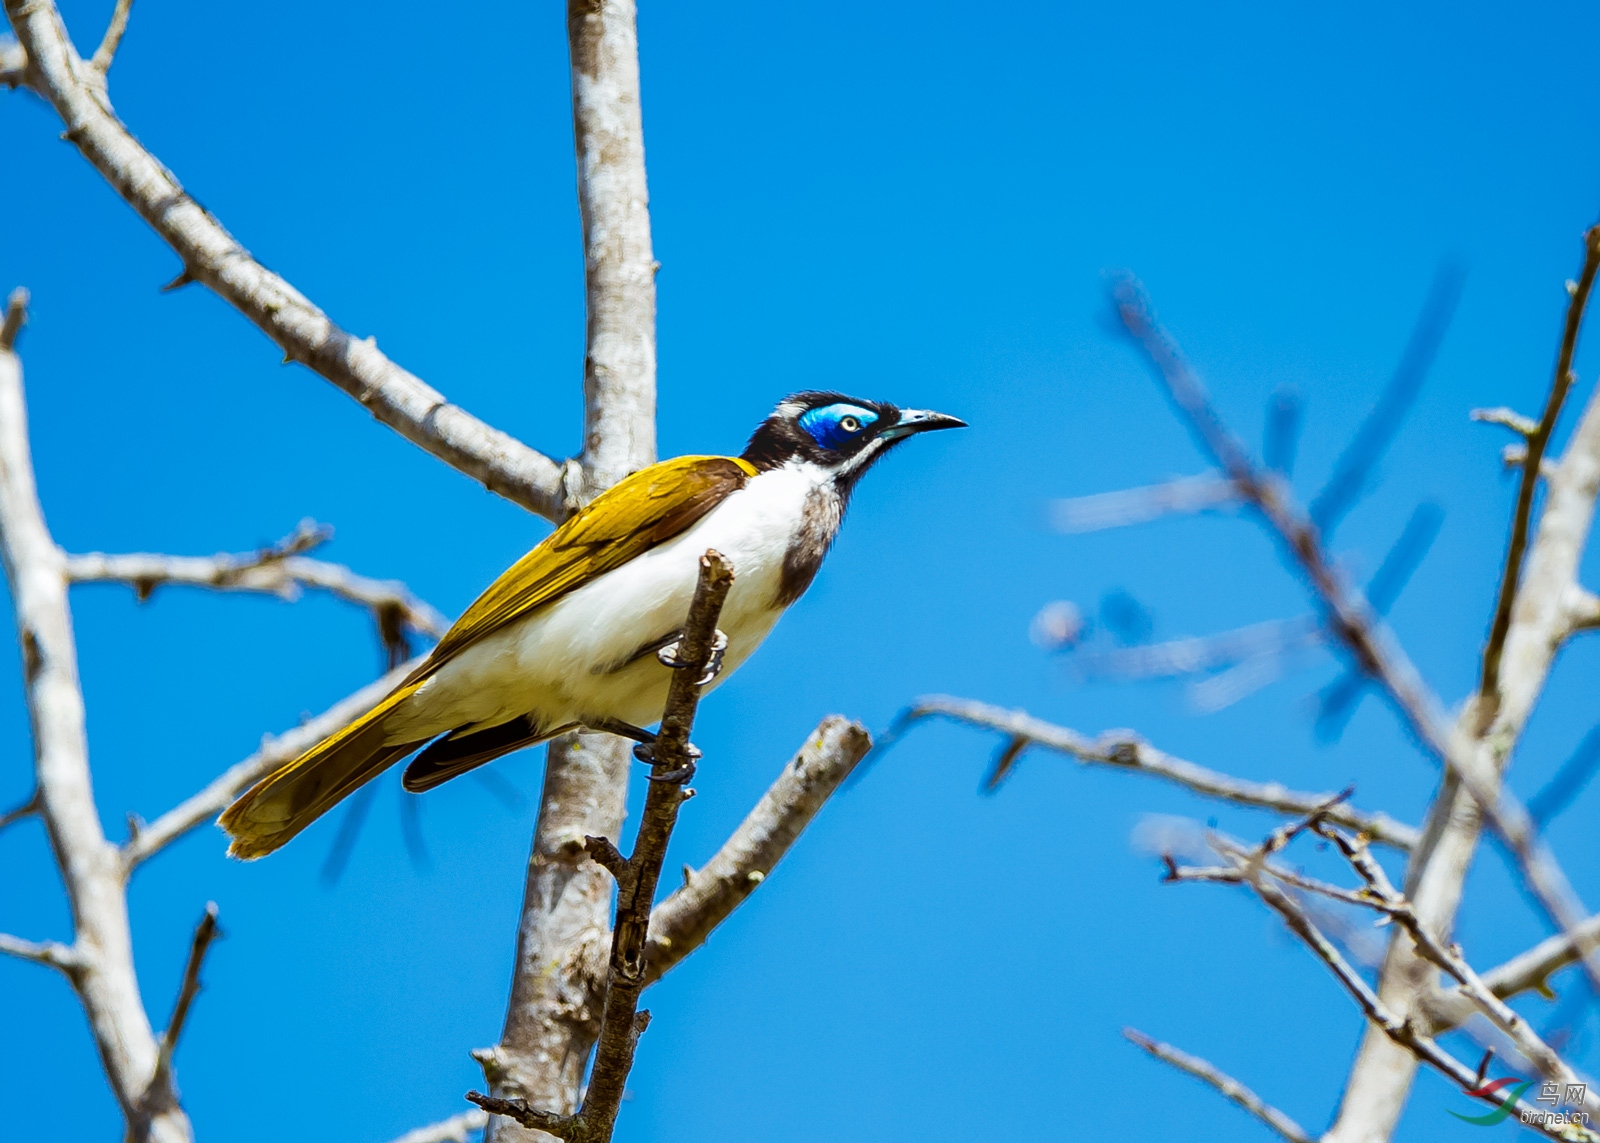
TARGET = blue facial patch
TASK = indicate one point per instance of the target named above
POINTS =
(834, 426)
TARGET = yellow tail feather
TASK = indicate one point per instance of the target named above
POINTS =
(299, 792)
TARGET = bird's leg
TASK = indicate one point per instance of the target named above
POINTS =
(645, 750)
(719, 647)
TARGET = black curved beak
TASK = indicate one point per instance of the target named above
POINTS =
(920, 421)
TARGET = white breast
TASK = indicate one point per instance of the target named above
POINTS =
(561, 663)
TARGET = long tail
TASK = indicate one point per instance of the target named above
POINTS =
(299, 792)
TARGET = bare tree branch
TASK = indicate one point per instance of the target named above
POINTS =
(682, 922)
(1402, 1032)
(305, 334)
(452, 1130)
(672, 764)
(1224, 1083)
(281, 570)
(91, 867)
(1476, 761)
(552, 1018)
(1380, 894)
(1127, 751)
(211, 801)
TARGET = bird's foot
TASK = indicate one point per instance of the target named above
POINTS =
(668, 656)
(679, 776)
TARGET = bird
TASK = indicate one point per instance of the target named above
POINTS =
(579, 633)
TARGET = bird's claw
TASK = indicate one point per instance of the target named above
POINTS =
(646, 753)
(668, 656)
(678, 777)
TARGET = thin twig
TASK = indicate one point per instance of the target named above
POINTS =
(281, 570)
(204, 933)
(107, 51)
(1523, 426)
(1383, 896)
(1230, 1088)
(52, 954)
(1127, 751)
(1538, 441)
(274, 752)
(303, 332)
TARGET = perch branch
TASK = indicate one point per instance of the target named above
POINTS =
(682, 922)
(1230, 1088)
(302, 331)
(1126, 751)
(672, 763)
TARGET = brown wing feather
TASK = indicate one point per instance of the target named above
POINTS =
(639, 512)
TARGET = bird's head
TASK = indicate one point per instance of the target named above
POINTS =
(843, 435)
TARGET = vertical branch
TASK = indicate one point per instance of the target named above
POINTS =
(91, 867)
(619, 367)
(558, 986)
(672, 764)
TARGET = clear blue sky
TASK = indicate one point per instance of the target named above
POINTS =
(913, 201)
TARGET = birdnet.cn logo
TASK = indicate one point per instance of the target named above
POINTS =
(1557, 1095)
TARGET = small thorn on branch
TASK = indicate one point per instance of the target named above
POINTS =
(519, 1109)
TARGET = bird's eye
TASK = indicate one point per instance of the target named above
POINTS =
(850, 424)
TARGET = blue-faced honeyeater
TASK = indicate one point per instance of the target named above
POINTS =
(575, 633)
